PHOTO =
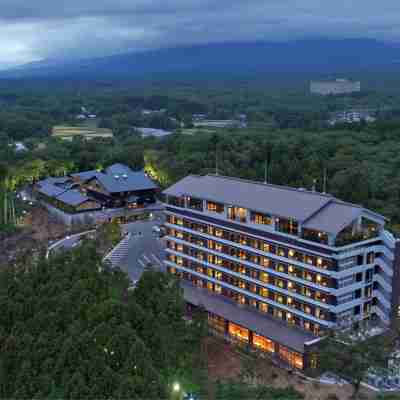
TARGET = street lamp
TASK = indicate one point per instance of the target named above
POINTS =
(176, 387)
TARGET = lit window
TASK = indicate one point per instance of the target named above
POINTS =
(291, 268)
(290, 285)
(218, 289)
(263, 307)
(291, 253)
(319, 261)
(319, 278)
(289, 300)
(264, 292)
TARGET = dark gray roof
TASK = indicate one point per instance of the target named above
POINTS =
(118, 169)
(72, 197)
(319, 211)
(49, 189)
(261, 324)
(334, 217)
(86, 175)
(272, 199)
(132, 182)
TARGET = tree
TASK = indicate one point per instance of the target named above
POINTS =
(351, 358)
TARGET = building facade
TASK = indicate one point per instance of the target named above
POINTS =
(277, 267)
(338, 86)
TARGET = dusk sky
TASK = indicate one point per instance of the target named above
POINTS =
(40, 29)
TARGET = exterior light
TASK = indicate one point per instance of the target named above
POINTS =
(176, 387)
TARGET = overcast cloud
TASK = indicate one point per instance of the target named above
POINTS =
(39, 29)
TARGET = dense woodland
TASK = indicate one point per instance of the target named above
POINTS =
(69, 328)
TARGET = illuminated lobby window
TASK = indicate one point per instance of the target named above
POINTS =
(263, 343)
(238, 332)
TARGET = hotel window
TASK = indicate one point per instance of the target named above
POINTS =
(242, 255)
(242, 270)
(265, 262)
(292, 270)
(263, 307)
(319, 262)
(289, 318)
(179, 260)
(307, 292)
(263, 343)
(291, 253)
(218, 247)
(264, 277)
(218, 260)
(281, 252)
(266, 247)
(199, 270)
(280, 268)
(210, 230)
(263, 292)
(176, 201)
(210, 272)
(218, 275)
(292, 358)
(179, 247)
(319, 278)
(253, 303)
(217, 289)
(243, 240)
(290, 286)
(179, 221)
(261, 219)
(194, 204)
(179, 234)
(278, 313)
(308, 276)
(215, 207)
(241, 299)
(307, 309)
(289, 301)
(279, 298)
(280, 283)
(218, 232)
(210, 286)
(216, 322)
(238, 332)
(253, 288)
(242, 285)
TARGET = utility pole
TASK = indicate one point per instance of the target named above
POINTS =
(325, 181)
(266, 172)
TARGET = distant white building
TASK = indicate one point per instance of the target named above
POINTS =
(338, 86)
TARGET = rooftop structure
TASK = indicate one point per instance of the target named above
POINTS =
(277, 267)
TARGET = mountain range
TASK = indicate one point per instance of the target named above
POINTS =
(226, 59)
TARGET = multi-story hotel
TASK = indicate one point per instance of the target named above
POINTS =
(277, 267)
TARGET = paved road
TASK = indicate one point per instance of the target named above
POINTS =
(145, 247)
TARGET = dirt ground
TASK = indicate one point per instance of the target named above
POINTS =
(225, 362)
(37, 230)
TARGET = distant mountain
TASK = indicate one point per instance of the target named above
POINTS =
(227, 60)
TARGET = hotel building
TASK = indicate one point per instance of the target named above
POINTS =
(277, 267)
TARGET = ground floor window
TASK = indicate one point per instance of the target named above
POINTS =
(263, 343)
(239, 332)
(291, 357)
(216, 322)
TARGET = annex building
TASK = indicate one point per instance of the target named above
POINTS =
(278, 267)
(118, 186)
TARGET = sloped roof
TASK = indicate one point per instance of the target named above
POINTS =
(86, 175)
(315, 210)
(72, 197)
(271, 199)
(49, 189)
(261, 324)
(334, 217)
(131, 182)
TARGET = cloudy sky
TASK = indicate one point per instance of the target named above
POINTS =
(33, 30)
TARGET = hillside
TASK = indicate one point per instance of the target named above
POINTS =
(229, 60)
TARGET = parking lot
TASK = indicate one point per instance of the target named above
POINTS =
(145, 247)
